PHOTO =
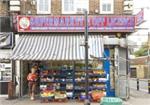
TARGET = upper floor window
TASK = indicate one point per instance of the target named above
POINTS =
(74, 6)
(43, 6)
(68, 6)
(106, 6)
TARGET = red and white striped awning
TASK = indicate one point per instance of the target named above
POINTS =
(56, 47)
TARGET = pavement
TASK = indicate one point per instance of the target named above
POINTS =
(136, 98)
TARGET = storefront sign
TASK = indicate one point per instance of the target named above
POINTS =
(139, 18)
(2, 66)
(5, 71)
(75, 23)
(5, 40)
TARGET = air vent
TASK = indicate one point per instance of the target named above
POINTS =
(15, 8)
(14, 2)
(14, 5)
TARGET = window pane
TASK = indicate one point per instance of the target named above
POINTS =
(104, 7)
(108, 7)
(40, 5)
(43, 5)
(82, 4)
(72, 5)
(68, 5)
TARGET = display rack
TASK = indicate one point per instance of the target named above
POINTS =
(97, 81)
(57, 83)
(68, 82)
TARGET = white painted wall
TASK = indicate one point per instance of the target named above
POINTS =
(17, 68)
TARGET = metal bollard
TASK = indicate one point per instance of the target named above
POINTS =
(149, 86)
(138, 84)
(87, 102)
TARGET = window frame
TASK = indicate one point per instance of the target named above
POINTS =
(63, 8)
(111, 2)
(75, 7)
(44, 12)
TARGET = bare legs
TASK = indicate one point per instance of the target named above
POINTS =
(32, 88)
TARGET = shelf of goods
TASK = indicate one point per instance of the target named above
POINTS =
(97, 87)
(57, 83)
(69, 83)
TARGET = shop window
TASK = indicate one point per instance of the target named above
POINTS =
(43, 6)
(74, 6)
(106, 6)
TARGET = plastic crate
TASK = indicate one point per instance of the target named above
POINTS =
(111, 101)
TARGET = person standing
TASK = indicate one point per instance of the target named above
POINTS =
(36, 67)
(32, 82)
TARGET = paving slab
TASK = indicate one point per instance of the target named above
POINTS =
(136, 98)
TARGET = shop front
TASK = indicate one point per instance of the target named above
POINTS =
(56, 45)
(5, 62)
(61, 62)
(5, 76)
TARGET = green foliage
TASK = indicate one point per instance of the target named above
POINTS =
(143, 51)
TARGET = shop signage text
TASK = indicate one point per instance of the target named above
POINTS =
(75, 23)
(139, 18)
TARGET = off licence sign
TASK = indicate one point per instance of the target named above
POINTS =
(75, 23)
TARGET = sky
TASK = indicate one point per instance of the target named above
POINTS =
(141, 36)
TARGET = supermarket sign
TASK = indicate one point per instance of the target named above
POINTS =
(139, 18)
(75, 23)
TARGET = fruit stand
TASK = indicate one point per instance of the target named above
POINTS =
(67, 82)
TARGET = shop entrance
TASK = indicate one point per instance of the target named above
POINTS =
(26, 69)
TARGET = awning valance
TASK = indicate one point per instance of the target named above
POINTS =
(56, 47)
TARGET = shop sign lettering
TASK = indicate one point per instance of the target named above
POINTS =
(75, 23)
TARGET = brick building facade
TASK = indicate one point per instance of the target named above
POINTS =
(56, 7)
(4, 9)
(106, 8)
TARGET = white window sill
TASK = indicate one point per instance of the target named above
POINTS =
(72, 12)
(106, 13)
(43, 13)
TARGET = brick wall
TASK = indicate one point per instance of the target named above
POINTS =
(3, 8)
(56, 7)
(140, 72)
(118, 7)
(93, 5)
(28, 6)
